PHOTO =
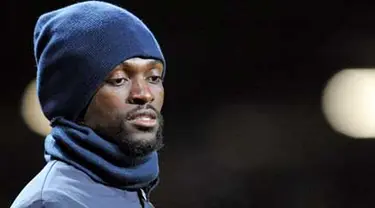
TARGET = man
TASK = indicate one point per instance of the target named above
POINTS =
(99, 82)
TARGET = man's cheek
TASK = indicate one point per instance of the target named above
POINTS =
(160, 100)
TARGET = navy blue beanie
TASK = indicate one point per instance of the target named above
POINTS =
(77, 46)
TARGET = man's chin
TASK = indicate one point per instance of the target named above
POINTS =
(141, 137)
(139, 143)
(139, 140)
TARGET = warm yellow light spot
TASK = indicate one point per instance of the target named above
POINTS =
(32, 112)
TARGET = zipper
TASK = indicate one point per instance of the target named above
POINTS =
(144, 200)
(144, 194)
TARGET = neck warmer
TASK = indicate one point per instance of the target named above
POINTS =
(102, 160)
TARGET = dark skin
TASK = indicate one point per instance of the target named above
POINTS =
(115, 112)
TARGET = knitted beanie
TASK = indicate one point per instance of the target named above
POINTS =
(76, 47)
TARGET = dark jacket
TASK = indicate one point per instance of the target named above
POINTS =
(60, 185)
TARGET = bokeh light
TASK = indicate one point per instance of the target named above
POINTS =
(349, 102)
(31, 111)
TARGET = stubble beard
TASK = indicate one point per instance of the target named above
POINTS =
(139, 144)
(142, 143)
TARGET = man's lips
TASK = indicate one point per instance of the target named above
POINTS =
(143, 118)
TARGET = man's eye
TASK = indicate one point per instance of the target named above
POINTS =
(117, 81)
(154, 79)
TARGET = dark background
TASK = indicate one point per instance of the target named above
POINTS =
(244, 125)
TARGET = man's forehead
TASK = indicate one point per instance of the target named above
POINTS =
(141, 61)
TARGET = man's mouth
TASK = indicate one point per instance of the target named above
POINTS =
(143, 118)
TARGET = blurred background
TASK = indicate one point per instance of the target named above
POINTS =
(268, 103)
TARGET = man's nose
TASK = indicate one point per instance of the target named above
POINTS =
(140, 93)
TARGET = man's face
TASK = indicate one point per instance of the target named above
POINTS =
(126, 108)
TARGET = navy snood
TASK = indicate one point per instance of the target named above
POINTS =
(102, 160)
